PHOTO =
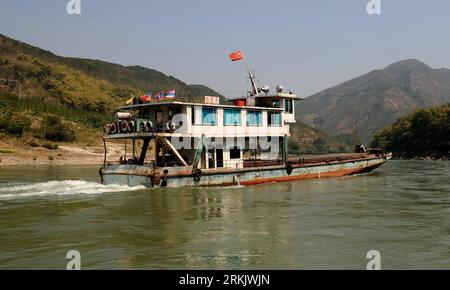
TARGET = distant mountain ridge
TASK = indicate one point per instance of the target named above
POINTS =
(363, 105)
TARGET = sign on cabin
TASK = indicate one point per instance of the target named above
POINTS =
(212, 100)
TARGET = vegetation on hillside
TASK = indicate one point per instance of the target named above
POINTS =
(51, 100)
(58, 98)
(364, 105)
(136, 77)
(426, 131)
(309, 140)
(13, 123)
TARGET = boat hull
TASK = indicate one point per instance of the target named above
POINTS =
(134, 175)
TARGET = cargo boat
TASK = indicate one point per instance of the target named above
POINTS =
(178, 144)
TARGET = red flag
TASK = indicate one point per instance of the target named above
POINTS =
(237, 55)
(145, 98)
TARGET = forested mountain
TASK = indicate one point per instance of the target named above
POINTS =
(363, 105)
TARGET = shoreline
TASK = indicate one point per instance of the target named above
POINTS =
(47, 159)
(423, 157)
(50, 163)
(63, 155)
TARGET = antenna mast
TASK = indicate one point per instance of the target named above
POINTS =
(252, 80)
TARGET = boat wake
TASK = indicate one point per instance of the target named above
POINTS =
(61, 188)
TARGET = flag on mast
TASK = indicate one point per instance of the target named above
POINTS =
(145, 98)
(170, 94)
(159, 96)
(237, 55)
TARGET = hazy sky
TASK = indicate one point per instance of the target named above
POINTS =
(304, 45)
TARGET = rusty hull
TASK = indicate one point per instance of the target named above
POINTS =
(134, 175)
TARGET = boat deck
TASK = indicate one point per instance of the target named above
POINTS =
(308, 159)
(295, 162)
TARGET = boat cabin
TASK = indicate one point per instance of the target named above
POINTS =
(250, 131)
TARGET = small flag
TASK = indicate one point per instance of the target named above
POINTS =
(159, 96)
(145, 99)
(170, 94)
(237, 55)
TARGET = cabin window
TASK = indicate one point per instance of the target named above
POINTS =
(204, 116)
(209, 116)
(274, 119)
(231, 117)
(288, 106)
(197, 115)
(235, 153)
(254, 118)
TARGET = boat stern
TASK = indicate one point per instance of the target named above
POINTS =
(124, 174)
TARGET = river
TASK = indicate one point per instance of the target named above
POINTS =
(401, 210)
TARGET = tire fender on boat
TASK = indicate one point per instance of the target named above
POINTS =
(170, 126)
(107, 128)
(100, 172)
(149, 126)
(112, 128)
(124, 126)
(142, 126)
(289, 169)
(164, 179)
(197, 175)
(131, 126)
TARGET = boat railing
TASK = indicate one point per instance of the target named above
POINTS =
(172, 164)
(261, 163)
(131, 162)
(329, 158)
(137, 125)
(219, 164)
(151, 163)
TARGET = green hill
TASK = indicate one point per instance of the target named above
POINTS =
(426, 131)
(135, 77)
(41, 92)
(306, 139)
(31, 90)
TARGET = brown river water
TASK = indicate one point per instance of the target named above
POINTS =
(401, 210)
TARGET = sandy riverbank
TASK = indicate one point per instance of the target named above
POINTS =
(64, 155)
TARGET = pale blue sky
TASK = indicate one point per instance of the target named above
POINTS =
(305, 45)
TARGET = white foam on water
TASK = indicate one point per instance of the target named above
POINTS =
(230, 186)
(61, 188)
